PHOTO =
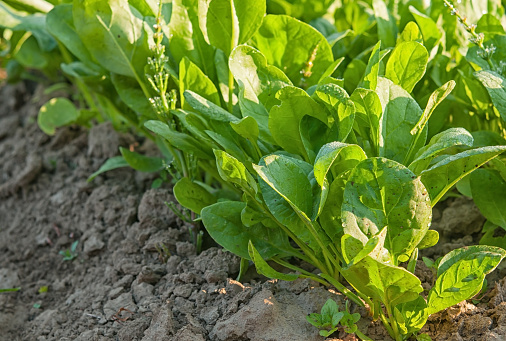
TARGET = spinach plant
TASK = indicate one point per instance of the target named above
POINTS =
(9, 290)
(298, 142)
(70, 253)
(350, 180)
(331, 317)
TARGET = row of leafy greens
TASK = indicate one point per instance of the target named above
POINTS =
(326, 139)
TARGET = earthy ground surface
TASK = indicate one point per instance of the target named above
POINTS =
(121, 288)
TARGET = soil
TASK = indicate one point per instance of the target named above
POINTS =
(137, 275)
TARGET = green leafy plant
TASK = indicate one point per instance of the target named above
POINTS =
(9, 290)
(70, 253)
(330, 317)
(300, 142)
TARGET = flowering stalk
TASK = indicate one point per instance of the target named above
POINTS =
(159, 77)
(477, 38)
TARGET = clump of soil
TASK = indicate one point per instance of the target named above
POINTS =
(137, 275)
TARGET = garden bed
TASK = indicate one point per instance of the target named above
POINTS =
(137, 275)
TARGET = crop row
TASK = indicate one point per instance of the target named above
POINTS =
(323, 131)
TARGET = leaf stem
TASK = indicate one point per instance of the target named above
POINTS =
(362, 336)
(393, 323)
(386, 324)
(302, 271)
(79, 83)
(339, 286)
(230, 92)
(307, 251)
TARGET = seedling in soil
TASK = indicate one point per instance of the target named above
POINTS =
(9, 290)
(71, 253)
(163, 252)
(330, 318)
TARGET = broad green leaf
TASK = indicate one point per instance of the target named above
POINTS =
(368, 114)
(180, 140)
(31, 6)
(412, 315)
(299, 50)
(490, 26)
(83, 71)
(330, 313)
(193, 196)
(150, 8)
(196, 125)
(389, 284)
(400, 114)
(60, 24)
(354, 74)
(115, 34)
(475, 91)
(254, 213)
(288, 179)
(285, 121)
(341, 108)
(444, 174)
(247, 128)
(430, 30)
(288, 193)
(306, 10)
(228, 23)
(260, 81)
(489, 194)
(132, 95)
(356, 16)
(407, 64)
(30, 55)
(370, 80)
(387, 29)
(223, 222)
(434, 100)
(207, 108)
(330, 70)
(354, 253)
(382, 192)
(265, 269)
(140, 162)
(496, 87)
(186, 39)
(430, 239)
(460, 275)
(483, 138)
(233, 171)
(342, 156)
(192, 78)
(110, 164)
(411, 32)
(468, 252)
(231, 143)
(330, 215)
(351, 248)
(57, 112)
(489, 238)
(15, 20)
(438, 143)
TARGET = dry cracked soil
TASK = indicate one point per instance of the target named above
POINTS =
(137, 275)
